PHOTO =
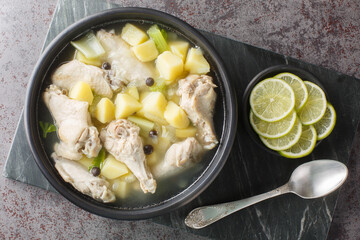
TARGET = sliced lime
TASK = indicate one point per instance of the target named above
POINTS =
(273, 129)
(286, 141)
(301, 93)
(272, 99)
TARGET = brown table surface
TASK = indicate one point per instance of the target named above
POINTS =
(325, 33)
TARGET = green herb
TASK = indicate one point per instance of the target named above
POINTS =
(98, 160)
(159, 37)
(159, 86)
(47, 128)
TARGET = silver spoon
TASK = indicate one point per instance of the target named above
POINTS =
(309, 180)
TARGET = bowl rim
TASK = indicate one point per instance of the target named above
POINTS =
(262, 75)
(44, 64)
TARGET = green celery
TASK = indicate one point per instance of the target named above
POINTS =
(158, 37)
(89, 46)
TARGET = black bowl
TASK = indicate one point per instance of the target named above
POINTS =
(268, 73)
(225, 113)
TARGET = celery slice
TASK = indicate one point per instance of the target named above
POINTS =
(144, 124)
(89, 46)
(159, 86)
(158, 37)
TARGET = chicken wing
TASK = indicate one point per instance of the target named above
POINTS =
(121, 139)
(74, 71)
(178, 156)
(197, 98)
(74, 125)
(82, 180)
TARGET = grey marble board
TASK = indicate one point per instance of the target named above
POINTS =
(249, 170)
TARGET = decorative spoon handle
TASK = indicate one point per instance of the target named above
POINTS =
(204, 216)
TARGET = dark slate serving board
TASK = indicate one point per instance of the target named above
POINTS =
(249, 170)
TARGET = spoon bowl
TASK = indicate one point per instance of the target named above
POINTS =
(310, 180)
(317, 178)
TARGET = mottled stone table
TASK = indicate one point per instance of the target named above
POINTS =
(322, 33)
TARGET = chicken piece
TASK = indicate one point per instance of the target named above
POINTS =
(82, 180)
(74, 71)
(197, 98)
(178, 156)
(121, 139)
(125, 67)
(74, 125)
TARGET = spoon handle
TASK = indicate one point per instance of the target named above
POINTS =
(206, 215)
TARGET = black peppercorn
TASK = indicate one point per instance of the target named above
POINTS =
(95, 171)
(153, 133)
(148, 149)
(149, 81)
(106, 66)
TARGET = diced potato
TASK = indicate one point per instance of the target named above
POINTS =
(143, 95)
(180, 48)
(120, 188)
(154, 104)
(176, 116)
(81, 57)
(196, 62)
(81, 91)
(146, 51)
(170, 66)
(105, 111)
(133, 35)
(186, 132)
(144, 124)
(132, 91)
(86, 162)
(112, 168)
(126, 105)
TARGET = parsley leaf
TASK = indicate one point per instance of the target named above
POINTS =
(47, 128)
(98, 160)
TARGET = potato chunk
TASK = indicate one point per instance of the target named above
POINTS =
(81, 91)
(146, 51)
(112, 168)
(126, 105)
(176, 116)
(120, 188)
(133, 35)
(170, 66)
(105, 111)
(179, 48)
(186, 132)
(154, 105)
(196, 62)
(133, 91)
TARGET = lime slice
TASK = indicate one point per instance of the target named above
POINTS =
(301, 93)
(273, 129)
(286, 141)
(327, 123)
(315, 107)
(272, 99)
(304, 146)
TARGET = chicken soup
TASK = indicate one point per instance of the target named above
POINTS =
(133, 110)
